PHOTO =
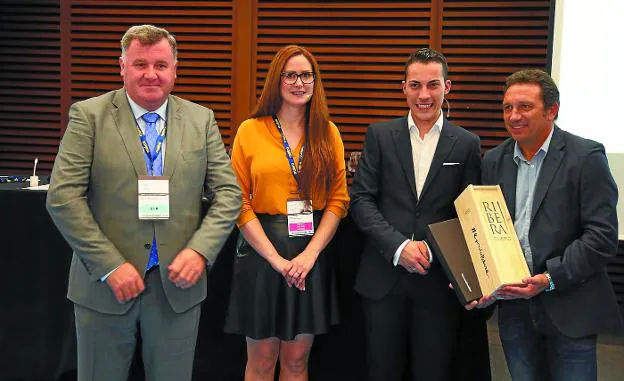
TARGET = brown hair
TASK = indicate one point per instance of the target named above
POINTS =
(148, 35)
(318, 169)
(550, 92)
(425, 56)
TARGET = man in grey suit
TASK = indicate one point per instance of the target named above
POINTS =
(563, 198)
(126, 193)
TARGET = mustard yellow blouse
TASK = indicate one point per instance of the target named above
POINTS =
(264, 174)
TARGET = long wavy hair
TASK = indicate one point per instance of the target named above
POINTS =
(318, 169)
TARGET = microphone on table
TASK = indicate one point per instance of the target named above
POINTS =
(34, 179)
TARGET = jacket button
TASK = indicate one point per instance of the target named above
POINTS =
(147, 246)
(417, 214)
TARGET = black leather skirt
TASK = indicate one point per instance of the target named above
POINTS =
(261, 303)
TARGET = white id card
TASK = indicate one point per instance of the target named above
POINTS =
(153, 197)
(300, 218)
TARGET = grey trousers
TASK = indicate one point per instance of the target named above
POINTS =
(106, 343)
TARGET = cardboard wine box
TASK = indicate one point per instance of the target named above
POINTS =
(489, 233)
(447, 242)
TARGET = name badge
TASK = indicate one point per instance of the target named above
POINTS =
(153, 197)
(300, 218)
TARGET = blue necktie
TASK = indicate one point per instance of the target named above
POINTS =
(151, 135)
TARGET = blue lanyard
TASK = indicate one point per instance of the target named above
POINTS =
(291, 160)
(159, 142)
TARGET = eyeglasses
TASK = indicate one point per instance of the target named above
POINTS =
(291, 77)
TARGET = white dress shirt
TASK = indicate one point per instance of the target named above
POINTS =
(138, 112)
(422, 155)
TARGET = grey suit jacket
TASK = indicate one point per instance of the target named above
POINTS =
(385, 206)
(573, 229)
(93, 196)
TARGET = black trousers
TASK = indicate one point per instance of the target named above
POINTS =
(411, 337)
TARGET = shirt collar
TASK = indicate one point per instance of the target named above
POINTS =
(437, 126)
(138, 111)
(518, 155)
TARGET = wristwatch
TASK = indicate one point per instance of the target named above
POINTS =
(551, 284)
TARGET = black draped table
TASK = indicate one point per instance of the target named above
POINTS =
(37, 336)
(36, 320)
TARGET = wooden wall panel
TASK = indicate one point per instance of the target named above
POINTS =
(203, 30)
(360, 45)
(361, 48)
(615, 269)
(484, 41)
(29, 84)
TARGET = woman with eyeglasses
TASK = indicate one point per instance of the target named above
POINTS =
(289, 160)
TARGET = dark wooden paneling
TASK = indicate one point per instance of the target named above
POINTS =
(203, 30)
(361, 48)
(484, 42)
(30, 111)
(616, 274)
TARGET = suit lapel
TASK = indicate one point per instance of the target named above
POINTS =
(126, 126)
(551, 163)
(510, 177)
(175, 132)
(445, 146)
(400, 135)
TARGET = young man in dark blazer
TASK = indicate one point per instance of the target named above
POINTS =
(562, 196)
(411, 171)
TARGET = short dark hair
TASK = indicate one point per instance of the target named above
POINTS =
(550, 92)
(427, 55)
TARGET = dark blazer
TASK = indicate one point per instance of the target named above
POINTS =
(386, 208)
(93, 196)
(573, 229)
